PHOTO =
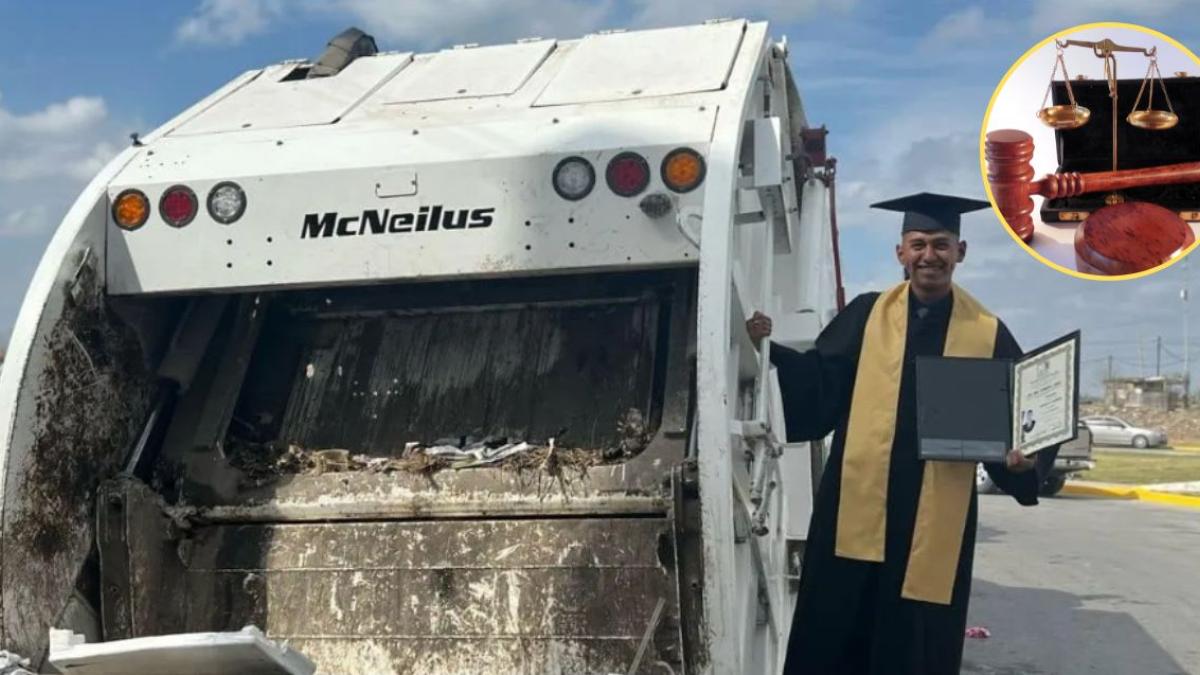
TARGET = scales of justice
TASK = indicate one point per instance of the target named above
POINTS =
(1121, 237)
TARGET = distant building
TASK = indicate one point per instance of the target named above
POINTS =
(1160, 392)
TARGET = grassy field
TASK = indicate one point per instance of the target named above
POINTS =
(1115, 466)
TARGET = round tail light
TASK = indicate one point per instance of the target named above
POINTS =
(574, 178)
(226, 202)
(178, 205)
(130, 210)
(628, 174)
(683, 170)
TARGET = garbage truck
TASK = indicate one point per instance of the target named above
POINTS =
(432, 363)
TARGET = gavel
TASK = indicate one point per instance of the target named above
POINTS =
(1008, 153)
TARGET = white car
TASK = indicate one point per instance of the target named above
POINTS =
(1073, 457)
(1108, 430)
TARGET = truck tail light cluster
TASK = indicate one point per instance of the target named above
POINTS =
(178, 206)
(628, 174)
(226, 202)
(683, 170)
(574, 178)
(131, 209)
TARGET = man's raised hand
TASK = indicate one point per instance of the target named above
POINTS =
(759, 327)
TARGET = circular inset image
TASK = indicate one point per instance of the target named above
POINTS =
(1090, 151)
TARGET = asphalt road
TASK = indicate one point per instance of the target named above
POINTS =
(1085, 586)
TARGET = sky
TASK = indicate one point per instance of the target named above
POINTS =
(902, 86)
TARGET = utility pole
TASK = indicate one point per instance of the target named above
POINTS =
(1108, 385)
(1158, 356)
(1187, 371)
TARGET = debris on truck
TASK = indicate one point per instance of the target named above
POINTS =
(264, 462)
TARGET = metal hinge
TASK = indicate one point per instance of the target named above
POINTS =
(741, 525)
(795, 562)
(75, 288)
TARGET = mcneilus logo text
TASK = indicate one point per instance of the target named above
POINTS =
(374, 221)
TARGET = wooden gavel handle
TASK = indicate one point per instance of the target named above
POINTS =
(1010, 174)
(1073, 183)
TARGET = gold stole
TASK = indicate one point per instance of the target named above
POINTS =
(945, 487)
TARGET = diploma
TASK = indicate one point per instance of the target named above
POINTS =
(1046, 395)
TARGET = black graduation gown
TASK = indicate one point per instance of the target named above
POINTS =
(850, 618)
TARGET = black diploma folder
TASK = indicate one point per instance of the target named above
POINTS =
(964, 408)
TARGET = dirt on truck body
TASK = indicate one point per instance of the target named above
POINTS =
(331, 513)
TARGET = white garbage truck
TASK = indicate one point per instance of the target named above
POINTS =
(432, 364)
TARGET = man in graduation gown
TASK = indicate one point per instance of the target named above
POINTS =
(887, 570)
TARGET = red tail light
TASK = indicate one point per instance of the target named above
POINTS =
(178, 205)
(628, 174)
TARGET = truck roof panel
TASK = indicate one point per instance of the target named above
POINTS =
(664, 62)
(273, 101)
(467, 73)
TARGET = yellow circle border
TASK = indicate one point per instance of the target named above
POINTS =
(987, 115)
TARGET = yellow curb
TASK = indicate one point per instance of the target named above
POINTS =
(1186, 448)
(1130, 492)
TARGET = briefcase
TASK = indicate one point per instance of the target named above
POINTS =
(1089, 148)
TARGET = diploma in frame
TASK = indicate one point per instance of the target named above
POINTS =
(1045, 395)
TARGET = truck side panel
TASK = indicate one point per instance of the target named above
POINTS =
(72, 401)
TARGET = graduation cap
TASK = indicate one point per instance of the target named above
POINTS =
(926, 211)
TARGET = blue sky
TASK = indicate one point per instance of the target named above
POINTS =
(902, 86)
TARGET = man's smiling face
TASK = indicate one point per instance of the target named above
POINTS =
(929, 258)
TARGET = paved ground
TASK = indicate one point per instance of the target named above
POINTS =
(1080, 585)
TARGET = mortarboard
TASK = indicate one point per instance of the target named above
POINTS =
(927, 211)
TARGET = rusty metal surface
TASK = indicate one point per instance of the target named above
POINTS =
(537, 596)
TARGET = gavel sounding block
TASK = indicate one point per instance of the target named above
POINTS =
(1128, 238)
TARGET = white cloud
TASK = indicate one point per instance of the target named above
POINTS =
(414, 24)
(24, 222)
(45, 156)
(227, 22)
(53, 141)
(410, 24)
(101, 153)
(970, 25)
(650, 13)
(74, 114)
(425, 24)
(961, 26)
(1051, 17)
